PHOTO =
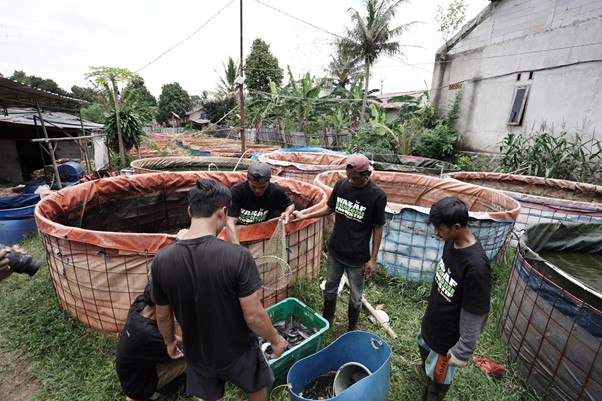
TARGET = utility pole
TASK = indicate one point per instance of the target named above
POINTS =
(242, 95)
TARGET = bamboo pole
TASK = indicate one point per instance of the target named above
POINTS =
(377, 316)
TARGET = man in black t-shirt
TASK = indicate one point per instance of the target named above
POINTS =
(213, 288)
(256, 200)
(458, 304)
(359, 207)
(142, 362)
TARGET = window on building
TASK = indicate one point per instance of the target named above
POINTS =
(518, 105)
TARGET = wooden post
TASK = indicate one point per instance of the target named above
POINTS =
(50, 149)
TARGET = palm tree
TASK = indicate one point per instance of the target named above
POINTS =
(227, 86)
(344, 66)
(371, 36)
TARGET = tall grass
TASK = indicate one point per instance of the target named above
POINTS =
(67, 361)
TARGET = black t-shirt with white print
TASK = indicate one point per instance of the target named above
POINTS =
(357, 210)
(462, 281)
(252, 209)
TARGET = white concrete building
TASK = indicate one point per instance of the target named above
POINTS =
(521, 64)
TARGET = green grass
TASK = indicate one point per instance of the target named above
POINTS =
(71, 362)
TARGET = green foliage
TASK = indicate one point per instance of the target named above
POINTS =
(174, 99)
(137, 97)
(227, 87)
(344, 66)
(216, 109)
(96, 112)
(450, 20)
(90, 95)
(566, 156)
(417, 130)
(261, 68)
(439, 136)
(372, 35)
(468, 164)
(39, 83)
(131, 129)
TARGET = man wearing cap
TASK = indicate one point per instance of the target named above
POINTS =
(256, 200)
(359, 207)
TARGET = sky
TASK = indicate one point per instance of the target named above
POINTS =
(188, 41)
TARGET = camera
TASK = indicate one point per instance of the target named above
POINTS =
(20, 263)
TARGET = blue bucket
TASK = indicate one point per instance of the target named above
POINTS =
(16, 217)
(364, 348)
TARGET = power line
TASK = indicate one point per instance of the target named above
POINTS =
(299, 19)
(185, 39)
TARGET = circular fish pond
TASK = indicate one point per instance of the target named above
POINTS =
(303, 166)
(189, 163)
(100, 238)
(411, 164)
(543, 199)
(409, 248)
(552, 315)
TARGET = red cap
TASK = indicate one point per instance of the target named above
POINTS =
(358, 163)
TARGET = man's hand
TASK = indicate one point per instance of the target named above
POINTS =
(278, 347)
(174, 348)
(453, 361)
(298, 215)
(285, 216)
(370, 268)
(5, 270)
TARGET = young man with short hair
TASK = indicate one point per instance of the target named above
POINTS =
(359, 207)
(256, 200)
(458, 304)
(213, 288)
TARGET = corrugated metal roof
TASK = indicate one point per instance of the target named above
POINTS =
(15, 94)
(22, 116)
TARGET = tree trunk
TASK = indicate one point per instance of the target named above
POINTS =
(118, 122)
(365, 97)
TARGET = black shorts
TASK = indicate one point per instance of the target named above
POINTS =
(250, 372)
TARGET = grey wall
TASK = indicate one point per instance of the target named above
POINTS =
(559, 42)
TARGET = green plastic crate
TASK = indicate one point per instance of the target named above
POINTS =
(281, 311)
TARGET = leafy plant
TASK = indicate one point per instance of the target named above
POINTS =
(543, 154)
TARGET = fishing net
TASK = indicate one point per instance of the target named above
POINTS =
(273, 265)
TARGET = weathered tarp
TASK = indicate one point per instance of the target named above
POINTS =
(189, 163)
(551, 322)
(409, 248)
(542, 199)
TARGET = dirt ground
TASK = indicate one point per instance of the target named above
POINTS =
(15, 385)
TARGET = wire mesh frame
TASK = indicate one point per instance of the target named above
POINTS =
(533, 212)
(551, 349)
(88, 281)
(410, 250)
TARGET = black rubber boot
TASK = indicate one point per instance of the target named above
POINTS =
(434, 391)
(329, 308)
(353, 314)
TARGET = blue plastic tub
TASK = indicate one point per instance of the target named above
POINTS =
(16, 217)
(355, 346)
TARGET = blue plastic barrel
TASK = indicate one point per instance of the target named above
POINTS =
(70, 171)
(16, 217)
(355, 346)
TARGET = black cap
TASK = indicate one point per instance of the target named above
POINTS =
(259, 171)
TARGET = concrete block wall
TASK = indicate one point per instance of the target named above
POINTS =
(561, 53)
